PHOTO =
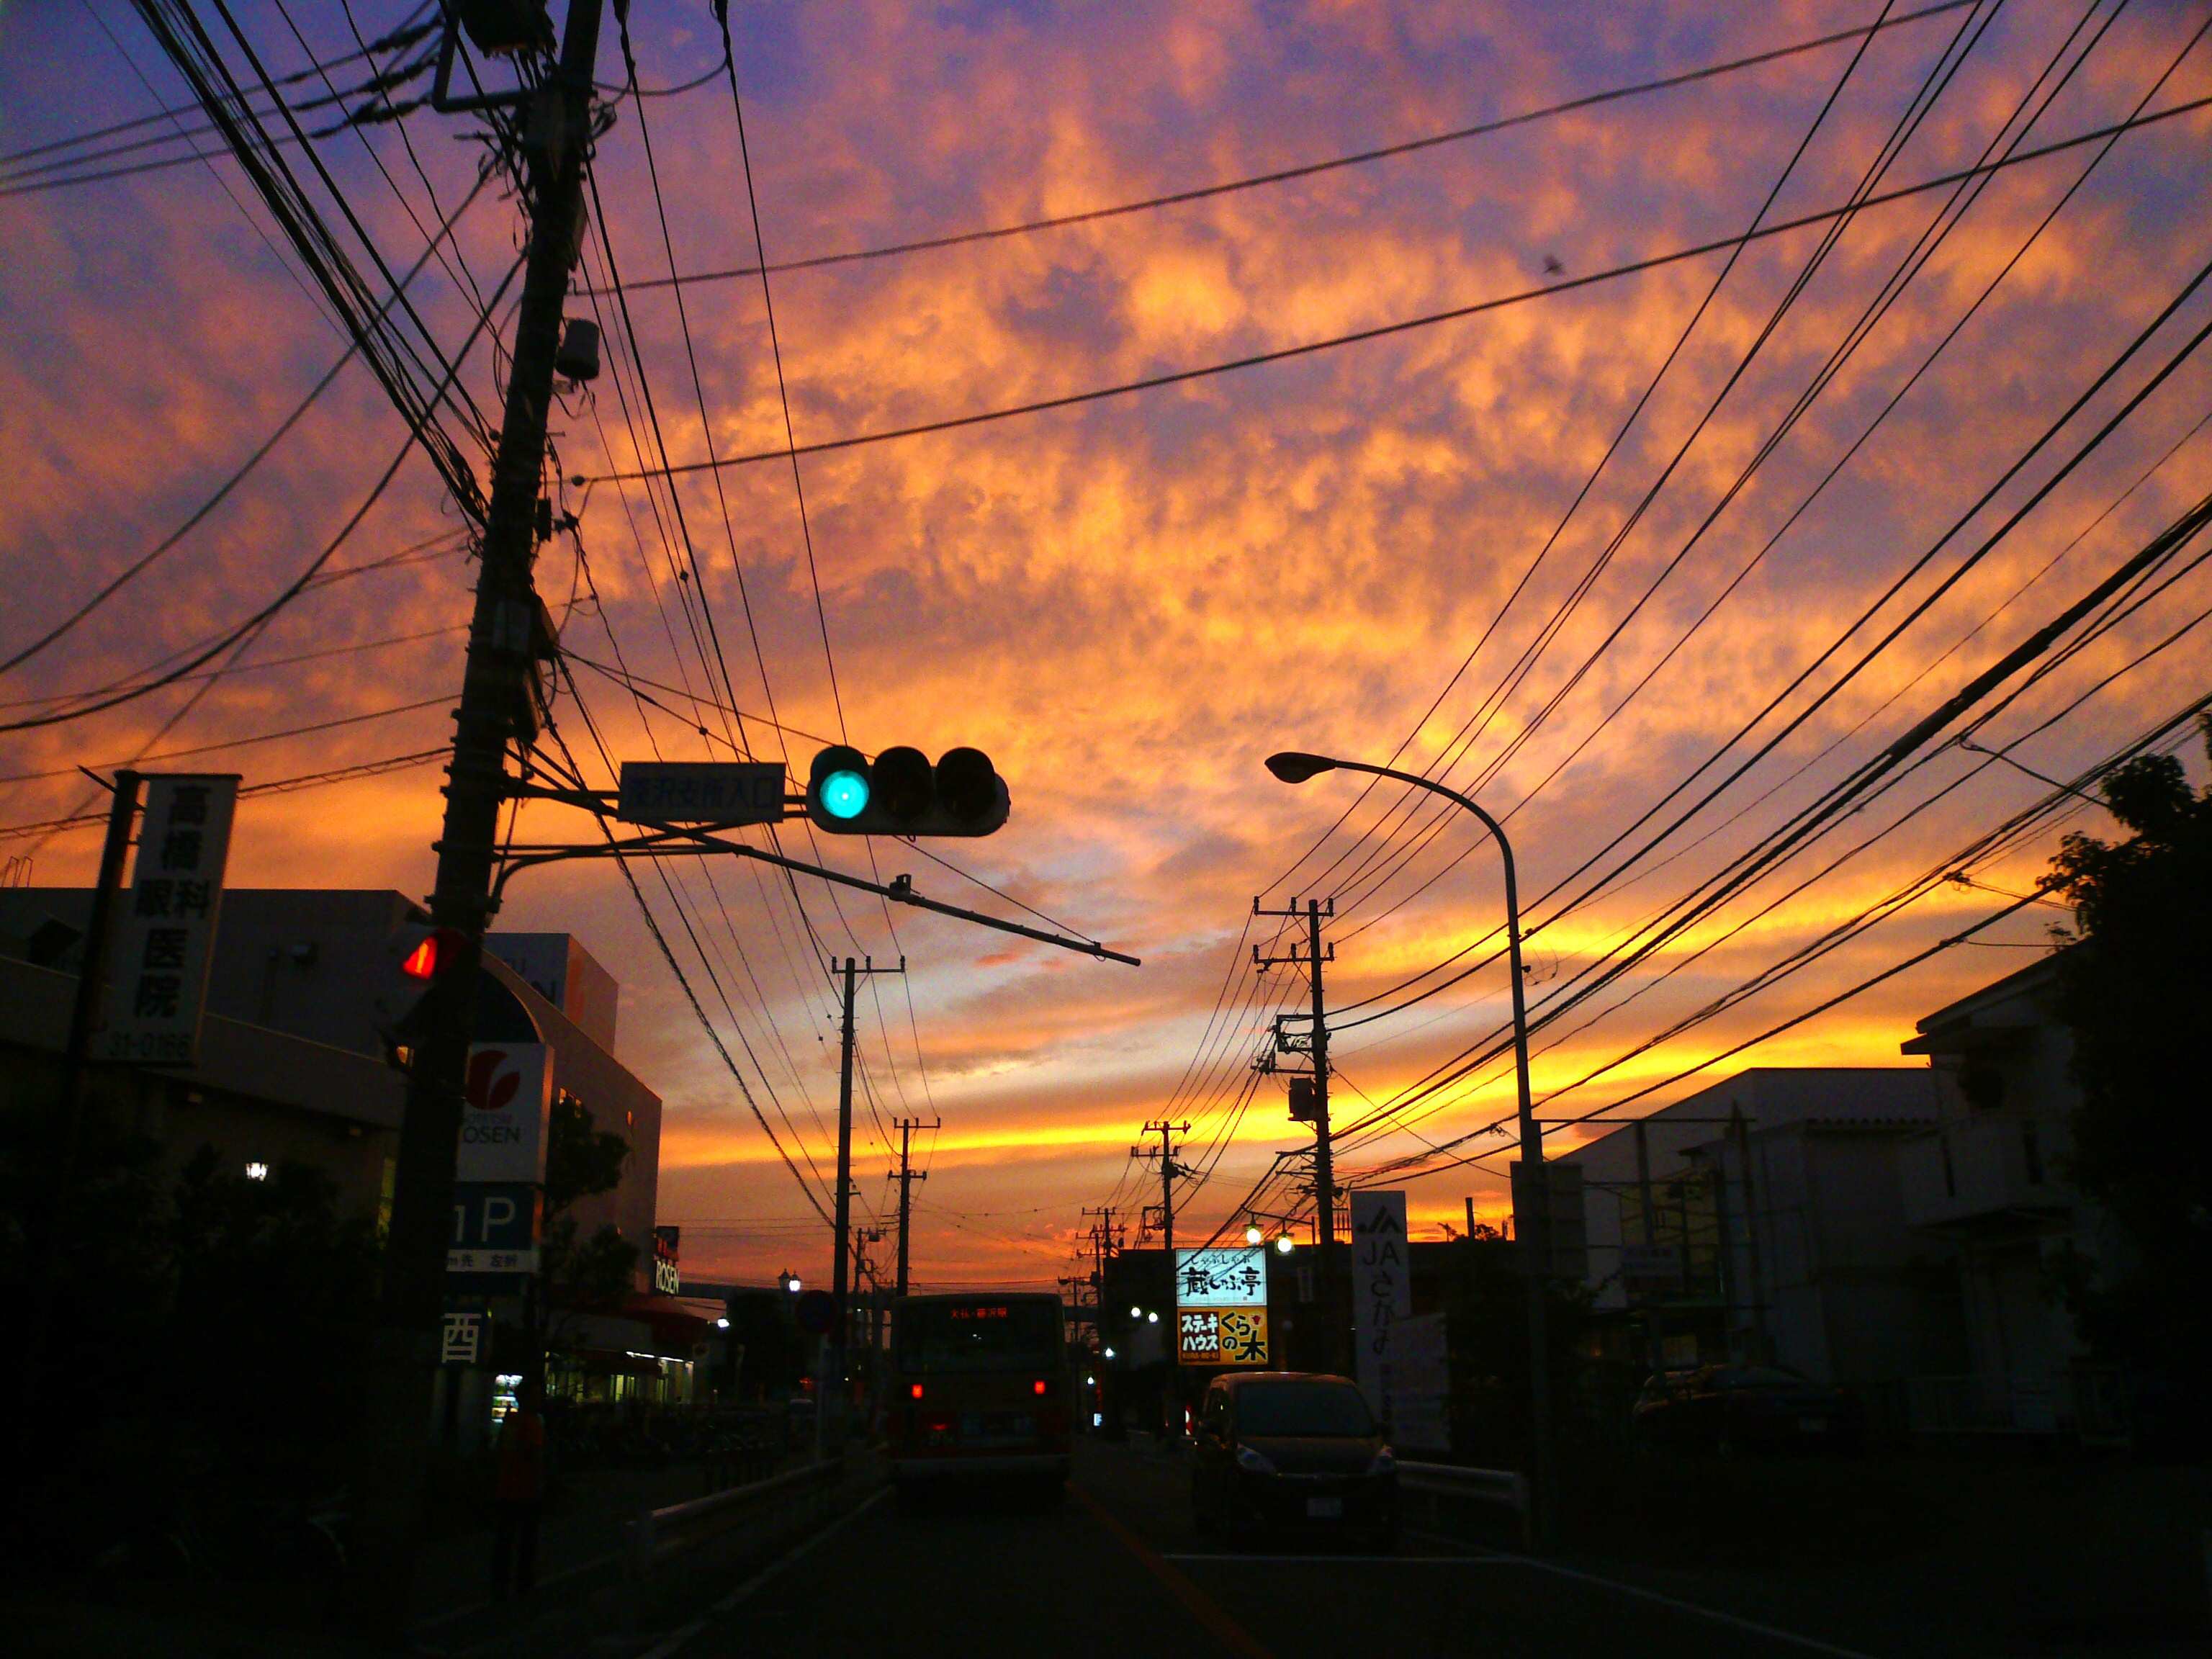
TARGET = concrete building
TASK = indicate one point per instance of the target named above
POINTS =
(1987, 1184)
(1762, 1218)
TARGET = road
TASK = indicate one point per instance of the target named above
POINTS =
(1117, 1570)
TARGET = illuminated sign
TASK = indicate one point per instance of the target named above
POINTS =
(1222, 1336)
(667, 1276)
(1231, 1277)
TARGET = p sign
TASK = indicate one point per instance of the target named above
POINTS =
(509, 1096)
(495, 1227)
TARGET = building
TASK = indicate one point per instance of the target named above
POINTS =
(1987, 1186)
(1763, 1219)
(302, 1030)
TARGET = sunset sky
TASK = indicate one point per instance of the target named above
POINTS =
(1424, 543)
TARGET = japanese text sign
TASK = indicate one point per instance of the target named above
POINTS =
(1222, 1336)
(1235, 1277)
(1382, 1287)
(166, 937)
(700, 792)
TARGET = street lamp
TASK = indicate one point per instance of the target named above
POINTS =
(1251, 1233)
(789, 1280)
(1284, 1245)
(1293, 766)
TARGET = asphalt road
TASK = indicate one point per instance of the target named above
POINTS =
(1117, 1571)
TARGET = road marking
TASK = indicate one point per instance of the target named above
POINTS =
(676, 1638)
(1810, 1643)
(1407, 1561)
(1200, 1607)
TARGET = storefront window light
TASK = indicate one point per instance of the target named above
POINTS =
(257, 1171)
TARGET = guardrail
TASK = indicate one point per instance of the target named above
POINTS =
(1507, 1487)
(657, 1534)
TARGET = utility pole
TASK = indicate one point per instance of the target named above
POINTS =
(907, 1175)
(505, 634)
(1169, 1170)
(1335, 1322)
(60, 1191)
(833, 1417)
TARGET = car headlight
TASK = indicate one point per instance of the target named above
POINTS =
(1385, 1462)
(1253, 1462)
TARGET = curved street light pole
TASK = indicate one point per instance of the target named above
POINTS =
(1534, 1228)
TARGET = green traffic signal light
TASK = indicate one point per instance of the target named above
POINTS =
(845, 794)
(901, 793)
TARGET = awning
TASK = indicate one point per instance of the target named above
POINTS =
(607, 1361)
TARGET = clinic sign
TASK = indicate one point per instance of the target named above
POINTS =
(1221, 1306)
(507, 1099)
(167, 935)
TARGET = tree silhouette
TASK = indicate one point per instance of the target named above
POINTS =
(2137, 991)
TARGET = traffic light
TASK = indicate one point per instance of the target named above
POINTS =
(901, 793)
(414, 950)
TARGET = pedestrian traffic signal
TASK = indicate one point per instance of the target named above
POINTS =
(901, 793)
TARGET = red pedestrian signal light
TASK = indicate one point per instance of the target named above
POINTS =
(421, 961)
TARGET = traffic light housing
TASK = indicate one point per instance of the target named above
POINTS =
(901, 793)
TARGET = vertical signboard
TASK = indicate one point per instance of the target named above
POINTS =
(1221, 1306)
(1418, 1394)
(667, 1274)
(508, 1098)
(499, 1166)
(167, 934)
(1382, 1287)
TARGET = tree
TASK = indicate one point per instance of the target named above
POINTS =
(581, 1160)
(2137, 991)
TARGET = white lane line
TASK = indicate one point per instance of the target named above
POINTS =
(1397, 1560)
(675, 1639)
(1809, 1643)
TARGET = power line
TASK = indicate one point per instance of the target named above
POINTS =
(1281, 175)
(1403, 325)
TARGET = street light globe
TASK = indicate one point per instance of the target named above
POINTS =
(1283, 1246)
(1109, 1353)
(1252, 1234)
(1136, 1313)
(1151, 1319)
(723, 1323)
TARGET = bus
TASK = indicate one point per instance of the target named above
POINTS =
(980, 1387)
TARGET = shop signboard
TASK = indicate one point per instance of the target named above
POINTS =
(1221, 1306)
(1382, 1287)
(1234, 1276)
(1222, 1336)
(508, 1099)
(166, 936)
(667, 1277)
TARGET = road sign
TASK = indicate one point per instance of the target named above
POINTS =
(168, 934)
(700, 792)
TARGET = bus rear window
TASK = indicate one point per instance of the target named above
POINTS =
(950, 1337)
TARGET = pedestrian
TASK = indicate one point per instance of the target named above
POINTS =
(517, 1493)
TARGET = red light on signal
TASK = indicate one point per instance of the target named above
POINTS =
(914, 1391)
(421, 961)
(1037, 1387)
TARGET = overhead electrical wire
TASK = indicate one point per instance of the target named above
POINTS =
(1406, 324)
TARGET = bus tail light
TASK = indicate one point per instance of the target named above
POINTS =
(914, 1391)
(1037, 1387)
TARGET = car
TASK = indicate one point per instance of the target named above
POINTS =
(1292, 1451)
(1731, 1409)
